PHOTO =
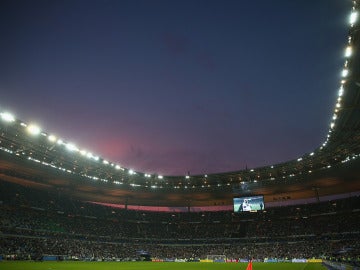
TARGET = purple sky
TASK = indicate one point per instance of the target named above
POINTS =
(172, 87)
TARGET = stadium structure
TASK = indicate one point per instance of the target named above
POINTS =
(59, 202)
(31, 155)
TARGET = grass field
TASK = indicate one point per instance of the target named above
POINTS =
(154, 266)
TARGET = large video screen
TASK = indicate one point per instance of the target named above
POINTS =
(249, 204)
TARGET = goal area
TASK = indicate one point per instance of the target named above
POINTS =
(216, 258)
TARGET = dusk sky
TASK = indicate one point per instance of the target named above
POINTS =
(176, 87)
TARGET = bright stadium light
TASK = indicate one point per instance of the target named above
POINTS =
(345, 72)
(341, 91)
(33, 129)
(348, 51)
(353, 17)
(52, 138)
(131, 172)
(83, 152)
(160, 177)
(7, 117)
(105, 162)
(117, 167)
(71, 147)
(60, 141)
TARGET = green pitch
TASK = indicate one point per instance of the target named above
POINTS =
(154, 266)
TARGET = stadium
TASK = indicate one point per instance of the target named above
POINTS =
(62, 203)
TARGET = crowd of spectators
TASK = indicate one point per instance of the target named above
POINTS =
(34, 223)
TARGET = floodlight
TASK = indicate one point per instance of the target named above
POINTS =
(83, 152)
(71, 147)
(33, 129)
(7, 117)
(117, 167)
(105, 161)
(160, 177)
(131, 172)
(345, 72)
(341, 91)
(52, 138)
(353, 17)
(348, 51)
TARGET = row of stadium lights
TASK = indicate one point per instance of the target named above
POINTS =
(35, 130)
(353, 19)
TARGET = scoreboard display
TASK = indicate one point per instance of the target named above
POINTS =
(249, 204)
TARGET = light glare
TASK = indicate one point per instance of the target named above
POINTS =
(353, 17)
(345, 72)
(348, 51)
(7, 117)
(33, 129)
(341, 91)
(52, 138)
(71, 147)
